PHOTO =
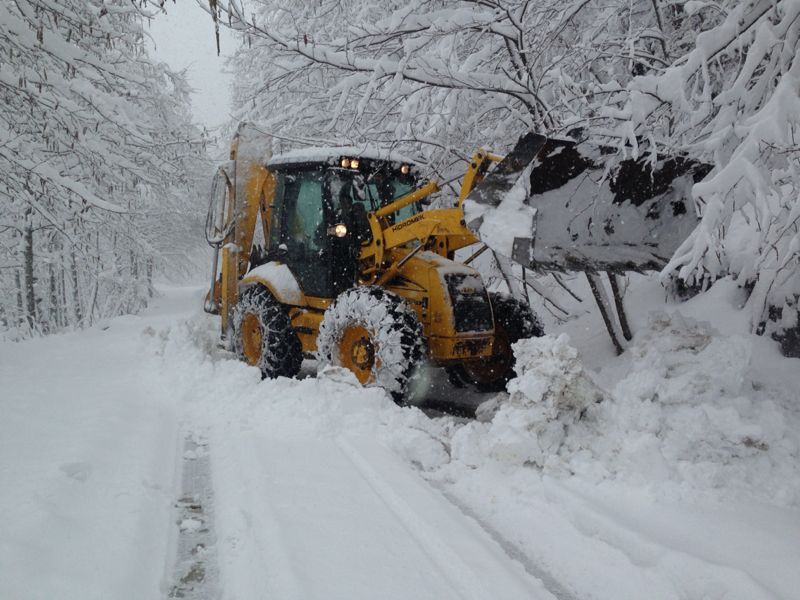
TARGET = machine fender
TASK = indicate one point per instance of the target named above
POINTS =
(279, 280)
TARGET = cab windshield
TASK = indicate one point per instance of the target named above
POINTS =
(373, 189)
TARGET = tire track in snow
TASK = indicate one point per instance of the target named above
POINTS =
(465, 578)
(253, 540)
(196, 573)
(510, 548)
(445, 558)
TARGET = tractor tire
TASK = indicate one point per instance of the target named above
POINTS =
(376, 335)
(263, 335)
(514, 320)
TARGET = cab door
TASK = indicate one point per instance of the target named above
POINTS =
(302, 240)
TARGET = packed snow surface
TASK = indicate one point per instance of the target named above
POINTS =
(670, 472)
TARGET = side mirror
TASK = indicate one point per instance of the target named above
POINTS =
(218, 221)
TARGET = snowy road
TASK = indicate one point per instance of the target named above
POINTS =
(347, 519)
(137, 460)
(91, 483)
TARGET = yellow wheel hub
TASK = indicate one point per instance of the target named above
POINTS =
(357, 352)
(252, 338)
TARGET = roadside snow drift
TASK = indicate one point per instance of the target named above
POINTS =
(688, 416)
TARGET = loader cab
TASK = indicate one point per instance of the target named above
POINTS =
(319, 214)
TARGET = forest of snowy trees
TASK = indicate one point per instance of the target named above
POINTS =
(99, 161)
(98, 152)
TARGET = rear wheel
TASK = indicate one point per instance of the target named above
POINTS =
(374, 334)
(514, 320)
(263, 335)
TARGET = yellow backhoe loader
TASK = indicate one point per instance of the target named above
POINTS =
(327, 253)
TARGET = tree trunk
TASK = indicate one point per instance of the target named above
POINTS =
(96, 287)
(623, 318)
(52, 320)
(62, 290)
(76, 297)
(606, 310)
(20, 302)
(134, 266)
(30, 293)
(150, 277)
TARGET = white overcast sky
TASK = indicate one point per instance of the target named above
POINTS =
(184, 38)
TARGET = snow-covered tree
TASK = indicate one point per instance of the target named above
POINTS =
(95, 138)
(733, 100)
(448, 75)
(440, 78)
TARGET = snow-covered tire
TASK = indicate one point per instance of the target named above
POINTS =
(263, 335)
(514, 320)
(376, 335)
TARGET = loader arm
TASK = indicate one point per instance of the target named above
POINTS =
(440, 230)
(474, 174)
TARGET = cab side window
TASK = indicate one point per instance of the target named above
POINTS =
(301, 223)
(302, 203)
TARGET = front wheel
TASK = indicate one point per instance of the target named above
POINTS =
(374, 334)
(513, 321)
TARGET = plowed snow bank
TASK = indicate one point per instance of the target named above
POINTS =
(549, 396)
(688, 416)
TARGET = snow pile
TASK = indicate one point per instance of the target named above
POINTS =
(690, 413)
(550, 394)
(687, 418)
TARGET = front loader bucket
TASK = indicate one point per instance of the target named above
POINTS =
(581, 217)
